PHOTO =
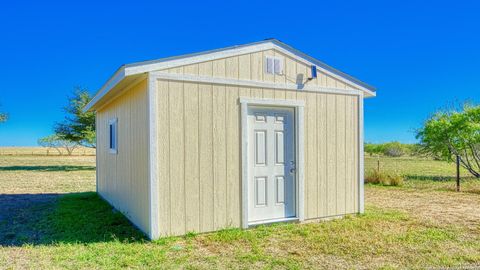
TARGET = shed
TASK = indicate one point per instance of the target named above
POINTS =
(233, 137)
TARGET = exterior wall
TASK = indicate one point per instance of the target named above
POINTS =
(252, 66)
(122, 179)
(199, 149)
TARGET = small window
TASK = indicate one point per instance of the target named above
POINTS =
(274, 65)
(113, 136)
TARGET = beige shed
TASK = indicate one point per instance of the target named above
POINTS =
(234, 137)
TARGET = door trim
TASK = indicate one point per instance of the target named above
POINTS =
(298, 106)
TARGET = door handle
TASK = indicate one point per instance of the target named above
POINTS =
(293, 168)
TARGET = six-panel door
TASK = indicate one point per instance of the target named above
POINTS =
(272, 172)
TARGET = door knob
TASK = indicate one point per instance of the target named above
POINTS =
(292, 167)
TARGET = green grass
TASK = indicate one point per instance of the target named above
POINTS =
(414, 226)
(83, 232)
(71, 221)
(425, 174)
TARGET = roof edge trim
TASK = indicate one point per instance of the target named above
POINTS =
(164, 63)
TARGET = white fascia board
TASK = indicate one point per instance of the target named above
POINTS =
(197, 59)
(111, 83)
(153, 66)
(289, 52)
(285, 49)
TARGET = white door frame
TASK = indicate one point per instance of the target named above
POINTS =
(298, 106)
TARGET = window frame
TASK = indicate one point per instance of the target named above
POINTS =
(280, 59)
(113, 136)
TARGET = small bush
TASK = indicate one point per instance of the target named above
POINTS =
(394, 149)
(383, 178)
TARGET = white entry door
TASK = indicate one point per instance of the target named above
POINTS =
(272, 171)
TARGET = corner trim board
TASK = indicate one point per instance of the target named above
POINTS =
(154, 231)
(361, 168)
(96, 156)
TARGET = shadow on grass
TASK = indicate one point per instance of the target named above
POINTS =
(44, 219)
(61, 168)
(430, 178)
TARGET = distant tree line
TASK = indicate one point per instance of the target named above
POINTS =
(392, 149)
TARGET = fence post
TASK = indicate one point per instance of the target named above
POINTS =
(378, 163)
(458, 173)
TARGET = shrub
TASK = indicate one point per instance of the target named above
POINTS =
(373, 149)
(383, 178)
(394, 149)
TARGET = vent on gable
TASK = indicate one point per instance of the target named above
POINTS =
(274, 65)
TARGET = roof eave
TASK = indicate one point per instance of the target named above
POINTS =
(323, 65)
(117, 77)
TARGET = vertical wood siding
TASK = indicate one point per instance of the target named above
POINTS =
(123, 178)
(252, 67)
(199, 146)
(199, 151)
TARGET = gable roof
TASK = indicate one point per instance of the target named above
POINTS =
(139, 68)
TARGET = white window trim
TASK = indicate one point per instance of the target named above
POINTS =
(281, 59)
(299, 106)
(114, 122)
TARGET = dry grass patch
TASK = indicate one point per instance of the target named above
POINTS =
(383, 178)
(404, 227)
(52, 174)
(437, 207)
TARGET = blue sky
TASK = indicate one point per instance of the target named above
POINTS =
(421, 55)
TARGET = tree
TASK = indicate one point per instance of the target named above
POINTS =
(54, 141)
(3, 117)
(448, 134)
(78, 126)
